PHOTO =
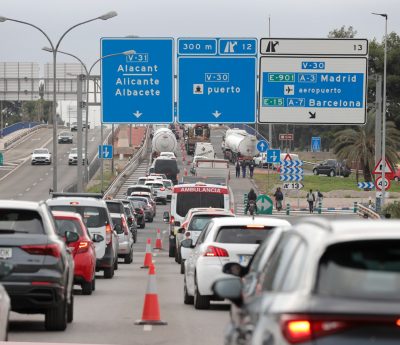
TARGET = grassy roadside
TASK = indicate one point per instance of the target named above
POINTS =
(323, 183)
(95, 185)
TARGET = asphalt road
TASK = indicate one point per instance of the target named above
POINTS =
(27, 182)
(108, 316)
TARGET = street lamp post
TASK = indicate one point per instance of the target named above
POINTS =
(384, 15)
(88, 74)
(54, 49)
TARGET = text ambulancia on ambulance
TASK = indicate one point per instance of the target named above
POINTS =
(187, 196)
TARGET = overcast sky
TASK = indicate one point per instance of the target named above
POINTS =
(180, 18)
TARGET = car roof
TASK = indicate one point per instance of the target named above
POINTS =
(348, 230)
(19, 204)
(116, 215)
(242, 220)
(207, 209)
(63, 200)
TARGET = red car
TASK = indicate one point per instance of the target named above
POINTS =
(83, 250)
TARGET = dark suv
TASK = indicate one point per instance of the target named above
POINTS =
(43, 270)
(332, 167)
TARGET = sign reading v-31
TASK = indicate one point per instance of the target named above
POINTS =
(217, 80)
(137, 88)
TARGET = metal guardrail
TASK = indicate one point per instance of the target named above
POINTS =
(15, 138)
(136, 159)
(366, 212)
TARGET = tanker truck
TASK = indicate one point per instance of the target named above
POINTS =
(238, 144)
(163, 141)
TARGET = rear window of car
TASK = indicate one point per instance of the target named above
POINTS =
(114, 207)
(93, 217)
(140, 188)
(139, 199)
(243, 234)
(167, 184)
(155, 185)
(64, 225)
(23, 221)
(362, 269)
(200, 222)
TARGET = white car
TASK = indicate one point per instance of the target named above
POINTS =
(159, 190)
(41, 156)
(168, 188)
(168, 155)
(73, 157)
(228, 239)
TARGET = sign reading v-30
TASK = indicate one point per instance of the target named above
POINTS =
(217, 80)
(137, 88)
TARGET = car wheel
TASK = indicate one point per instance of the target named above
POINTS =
(332, 173)
(315, 172)
(171, 252)
(56, 318)
(70, 316)
(177, 256)
(109, 272)
(182, 266)
(164, 202)
(94, 283)
(135, 237)
(150, 220)
(116, 264)
(87, 288)
(143, 225)
(187, 299)
(200, 301)
(260, 165)
(128, 258)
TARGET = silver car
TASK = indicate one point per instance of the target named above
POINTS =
(125, 238)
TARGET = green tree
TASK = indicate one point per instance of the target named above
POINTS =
(357, 145)
(343, 32)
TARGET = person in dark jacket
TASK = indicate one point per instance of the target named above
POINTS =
(251, 196)
(251, 168)
(244, 168)
(237, 167)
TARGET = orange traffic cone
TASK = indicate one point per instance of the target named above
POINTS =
(151, 308)
(148, 259)
(158, 240)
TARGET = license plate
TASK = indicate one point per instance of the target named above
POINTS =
(244, 259)
(5, 253)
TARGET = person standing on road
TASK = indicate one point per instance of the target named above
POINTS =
(310, 199)
(251, 168)
(278, 198)
(318, 198)
(237, 167)
(244, 168)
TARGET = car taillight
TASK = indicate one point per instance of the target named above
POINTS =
(162, 189)
(213, 251)
(52, 249)
(172, 220)
(302, 329)
(125, 226)
(83, 246)
(108, 234)
(141, 211)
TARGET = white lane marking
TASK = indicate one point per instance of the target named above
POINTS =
(47, 173)
(147, 328)
(28, 189)
(33, 185)
(36, 139)
(154, 254)
(41, 179)
(20, 194)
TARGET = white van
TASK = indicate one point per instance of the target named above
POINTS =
(205, 150)
(191, 195)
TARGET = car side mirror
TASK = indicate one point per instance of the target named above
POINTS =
(96, 238)
(181, 230)
(187, 243)
(71, 237)
(166, 217)
(234, 269)
(229, 288)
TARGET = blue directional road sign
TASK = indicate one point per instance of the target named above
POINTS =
(291, 177)
(290, 171)
(217, 80)
(316, 144)
(366, 185)
(137, 88)
(289, 163)
(273, 156)
(262, 146)
(105, 152)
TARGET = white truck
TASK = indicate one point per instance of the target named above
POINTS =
(163, 140)
(238, 144)
(212, 168)
(205, 150)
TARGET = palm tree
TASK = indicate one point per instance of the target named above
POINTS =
(357, 145)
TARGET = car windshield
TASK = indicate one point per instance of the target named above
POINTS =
(155, 185)
(114, 207)
(362, 269)
(24, 221)
(139, 198)
(64, 134)
(74, 150)
(243, 234)
(199, 222)
(64, 225)
(40, 151)
(186, 201)
(167, 184)
(93, 217)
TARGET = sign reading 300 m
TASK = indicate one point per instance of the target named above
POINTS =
(137, 87)
(300, 88)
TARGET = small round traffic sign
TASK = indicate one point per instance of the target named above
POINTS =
(262, 146)
(379, 184)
